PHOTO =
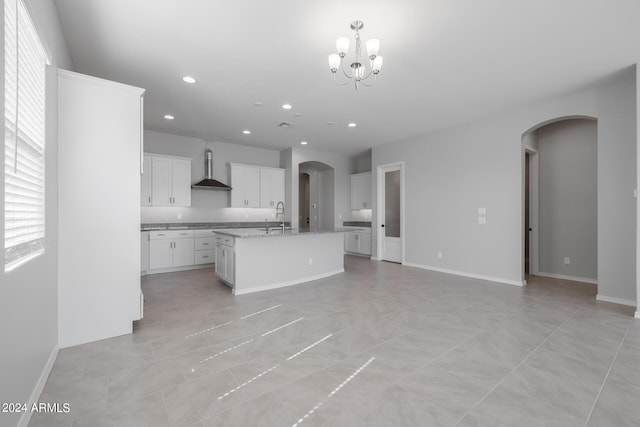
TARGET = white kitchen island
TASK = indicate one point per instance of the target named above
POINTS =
(252, 260)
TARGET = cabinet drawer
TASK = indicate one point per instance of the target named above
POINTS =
(204, 233)
(170, 234)
(224, 240)
(205, 257)
(203, 243)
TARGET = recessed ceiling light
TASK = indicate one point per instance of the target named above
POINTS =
(246, 132)
(169, 117)
(188, 79)
(287, 106)
(352, 125)
(303, 142)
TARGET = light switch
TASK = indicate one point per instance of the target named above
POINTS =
(482, 220)
(482, 211)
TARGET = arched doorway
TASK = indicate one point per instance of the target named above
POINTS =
(559, 187)
(316, 199)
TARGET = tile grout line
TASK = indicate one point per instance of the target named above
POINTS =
(604, 382)
(516, 367)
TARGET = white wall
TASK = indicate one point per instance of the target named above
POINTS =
(568, 199)
(207, 205)
(29, 294)
(361, 162)
(326, 199)
(450, 174)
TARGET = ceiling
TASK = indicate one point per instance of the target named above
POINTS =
(445, 62)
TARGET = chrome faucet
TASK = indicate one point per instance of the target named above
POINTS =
(279, 212)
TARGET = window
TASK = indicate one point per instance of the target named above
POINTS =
(24, 142)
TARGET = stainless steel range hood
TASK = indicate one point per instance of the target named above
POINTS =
(208, 183)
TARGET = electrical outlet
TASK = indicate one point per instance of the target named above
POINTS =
(439, 254)
(310, 261)
(179, 215)
(567, 260)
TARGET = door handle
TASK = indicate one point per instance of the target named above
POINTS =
(382, 225)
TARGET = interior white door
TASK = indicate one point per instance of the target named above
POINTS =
(390, 214)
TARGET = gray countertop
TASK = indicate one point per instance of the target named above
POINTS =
(206, 225)
(276, 232)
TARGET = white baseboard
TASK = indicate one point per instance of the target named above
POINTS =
(465, 274)
(285, 284)
(637, 316)
(563, 277)
(37, 391)
(629, 302)
(176, 269)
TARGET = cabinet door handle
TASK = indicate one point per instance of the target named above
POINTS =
(149, 199)
(205, 256)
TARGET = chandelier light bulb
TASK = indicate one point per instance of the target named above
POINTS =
(342, 44)
(334, 62)
(373, 46)
(377, 64)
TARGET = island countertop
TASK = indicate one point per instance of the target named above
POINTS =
(277, 232)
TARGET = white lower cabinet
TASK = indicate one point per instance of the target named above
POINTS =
(205, 247)
(144, 251)
(357, 242)
(183, 253)
(225, 266)
(170, 248)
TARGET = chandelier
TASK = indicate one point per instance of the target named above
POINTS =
(360, 73)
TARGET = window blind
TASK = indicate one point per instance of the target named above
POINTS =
(24, 130)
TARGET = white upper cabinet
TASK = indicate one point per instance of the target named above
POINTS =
(271, 187)
(170, 181)
(145, 182)
(181, 182)
(361, 191)
(245, 181)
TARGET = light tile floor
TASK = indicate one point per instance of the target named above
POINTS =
(380, 345)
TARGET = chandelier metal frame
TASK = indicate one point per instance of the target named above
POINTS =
(360, 73)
